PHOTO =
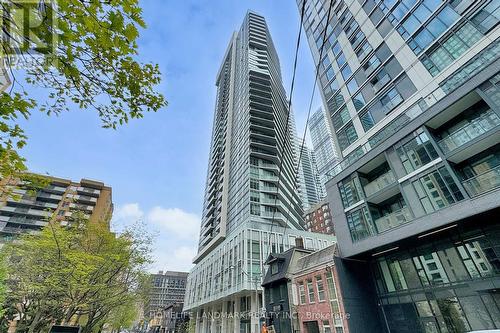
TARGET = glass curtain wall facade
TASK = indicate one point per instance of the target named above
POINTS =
(412, 88)
(252, 184)
(312, 190)
(446, 284)
(322, 142)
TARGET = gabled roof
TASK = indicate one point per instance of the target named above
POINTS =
(284, 258)
(318, 258)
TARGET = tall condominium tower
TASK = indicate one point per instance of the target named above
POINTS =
(248, 211)
(412, 88)
(23, 211)
(311, 188)
(322, 142)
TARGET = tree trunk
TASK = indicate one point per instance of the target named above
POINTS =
(35, 322)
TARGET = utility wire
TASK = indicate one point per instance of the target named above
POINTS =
(287, 125)
(290, 104)
(301, 147)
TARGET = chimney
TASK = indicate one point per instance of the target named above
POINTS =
(299, 242)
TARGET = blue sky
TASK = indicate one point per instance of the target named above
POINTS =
(157, 165)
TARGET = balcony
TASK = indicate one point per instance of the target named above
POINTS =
(483, 183)
(393, 220)
(268, 177)
(379, 183)
(88, 191)
(469, 132)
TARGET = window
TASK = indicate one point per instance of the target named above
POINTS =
(417, 152)
(330, 73)
(433, 29)
(255, 209)
(391, 99)
(346, 72)
(325, 62)
(326, 327)
(358, 101)
(347, 136)
(352, 86)
(335, 102)
(360, 224)
(380, 80)
(341, 60)
(302, 293)
(350, 191)
(363, 51)
(310, 291)
(336, 49)
(437, 190)
(367, 120)
(371, 65)
(487, 17)
(451, 48)
(341, 118)
(351, 27)
(321, 288)
(274, 268)
(357, 39)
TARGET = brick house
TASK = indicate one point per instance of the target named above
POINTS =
(318, 303)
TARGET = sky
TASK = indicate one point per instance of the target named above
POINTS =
(157, 165)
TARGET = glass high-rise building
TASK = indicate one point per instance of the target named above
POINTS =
(248, 211)
(311, 188)
(322, 142)
(412, 92)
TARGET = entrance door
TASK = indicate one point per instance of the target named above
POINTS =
(311, 326)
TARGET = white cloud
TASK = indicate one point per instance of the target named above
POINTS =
(126, 215)
(182, 224)
(175, 230)
(179, 259)
(128, 212)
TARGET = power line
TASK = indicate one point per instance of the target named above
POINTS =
(287, 125)
(315, 82)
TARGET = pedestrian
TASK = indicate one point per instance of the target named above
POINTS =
(264, 328)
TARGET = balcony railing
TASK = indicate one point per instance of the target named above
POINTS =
(472, 130)
(393, 220)
(483, 183)
(473, 66)
(380, 183)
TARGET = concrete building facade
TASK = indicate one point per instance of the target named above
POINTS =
(166, 288)
(23, 210)
(412, 90)
(252, 204)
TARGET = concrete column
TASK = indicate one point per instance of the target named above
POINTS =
(237, 314)
(197, 323)
(212, 320)
(224, 315)
(205, 323)
(254, 322)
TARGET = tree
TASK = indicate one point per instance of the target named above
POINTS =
(83, 53)
(81, 274)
